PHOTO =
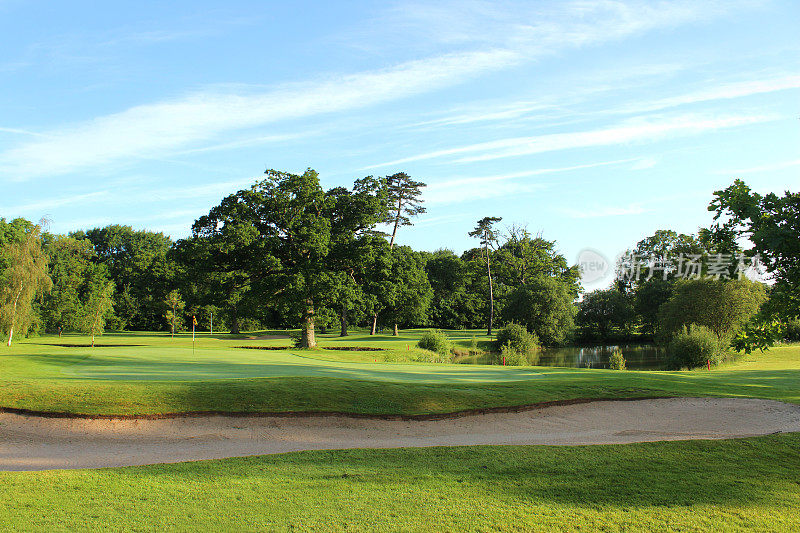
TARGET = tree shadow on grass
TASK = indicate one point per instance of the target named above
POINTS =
(740, 471)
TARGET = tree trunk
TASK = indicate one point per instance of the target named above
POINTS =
(14, 316)
(396, 220)
(395, 333)
(491, 293)
(235, 322)
(374, 329)
(343, 319)
(307, 339)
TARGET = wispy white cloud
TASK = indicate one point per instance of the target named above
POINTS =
(153, 129)
(19, 131)
(637, 130)
(769, 167)
(644, 163)
(42, 207)
(498, 185)
(567, 104)
(510, 34)
(259, 140)
(725, 91)
(438, 221)
(605, 211)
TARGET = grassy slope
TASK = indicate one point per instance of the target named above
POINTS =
(748, 484)
(163, 376)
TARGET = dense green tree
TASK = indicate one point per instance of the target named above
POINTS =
(404, 202)
(406, 299)
(544, 305)
(285, 235)
(283, 227)
(772, 224)
(219, 260)
(648, 298)
(353, 215)
(484, 231)
(453, 305)
(99, 303)
(70, 266)
(724, 307)
(403, 196)
(143, 272)
(649, 271)
(173, 309)
(666, 255)
(602, 313)
(523, 256)
(24, 275)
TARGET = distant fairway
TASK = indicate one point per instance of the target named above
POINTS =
(144, 374)
(160, 358)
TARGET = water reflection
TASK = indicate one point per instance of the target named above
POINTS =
(637, 356)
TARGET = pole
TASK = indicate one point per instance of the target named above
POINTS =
(212, 324)
(194, 324)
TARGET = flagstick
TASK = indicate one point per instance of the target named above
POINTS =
(193, 326)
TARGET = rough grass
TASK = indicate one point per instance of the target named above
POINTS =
(735, 485)
(162, 375)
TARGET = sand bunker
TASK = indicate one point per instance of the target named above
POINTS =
(36, 443)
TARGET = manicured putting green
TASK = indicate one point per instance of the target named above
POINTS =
(164, 359)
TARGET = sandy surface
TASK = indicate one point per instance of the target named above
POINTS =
(34, 443)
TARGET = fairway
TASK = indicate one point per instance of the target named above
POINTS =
(729, 485)
(212, 359)
(145, 374)
(160, 358)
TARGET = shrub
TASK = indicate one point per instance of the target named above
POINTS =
(693, 346)
(511, 357)
(427, 356)
(296, 338)
(473, 346)
(517, 345)
(617, 361)
(792, 331)
(436, 341)
(460, 352)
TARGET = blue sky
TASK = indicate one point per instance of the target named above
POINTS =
(594, 123)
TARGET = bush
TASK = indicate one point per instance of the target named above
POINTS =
(436, 341)
(427, 356)
(617, 361)
(693, 347)
(517, 345)
(511, 357)
(473, 346)
(792, 331)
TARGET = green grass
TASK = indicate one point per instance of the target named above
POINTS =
(736, 485)
(161, 375)
(745, 484)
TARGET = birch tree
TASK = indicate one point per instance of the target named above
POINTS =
(24, 277)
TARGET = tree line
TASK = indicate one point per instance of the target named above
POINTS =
(287, 253)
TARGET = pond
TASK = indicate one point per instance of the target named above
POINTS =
(637, 356)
